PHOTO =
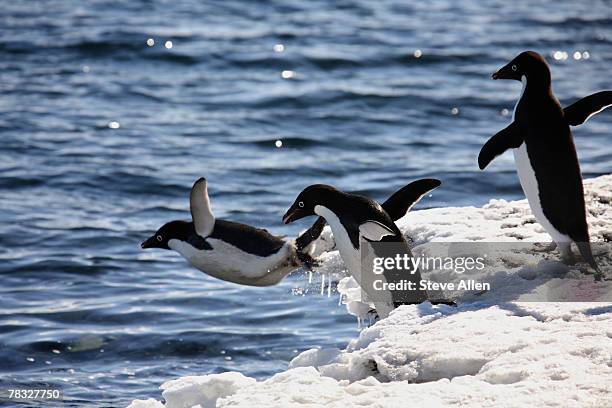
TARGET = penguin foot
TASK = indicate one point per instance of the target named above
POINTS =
(569, 260)
(599, 275)
(547, 248)
(308, 261)
(372, 317)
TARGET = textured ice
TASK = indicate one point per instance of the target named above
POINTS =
(523, 276)
(202, 391)
(483, 353)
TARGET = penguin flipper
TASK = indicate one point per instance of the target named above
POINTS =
(374, 230)
(581, 110)
(201, 213)
(507, 138)
(403, 199)
(310, 234)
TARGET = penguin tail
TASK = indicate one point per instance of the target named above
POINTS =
(587, 255)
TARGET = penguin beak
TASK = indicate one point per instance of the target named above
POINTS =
(294, 214)
(150, 242)
(506, 72)
(502, 73)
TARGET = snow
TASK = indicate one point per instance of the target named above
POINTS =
(202, 391)
(489, 351)
(523, 274)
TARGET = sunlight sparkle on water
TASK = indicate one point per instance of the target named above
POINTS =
(287, 74)
(576, 55)
(279, 48)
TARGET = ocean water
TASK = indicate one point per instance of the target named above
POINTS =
(102, 136)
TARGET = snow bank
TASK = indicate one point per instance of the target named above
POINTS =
(482, 353)
(524, 273)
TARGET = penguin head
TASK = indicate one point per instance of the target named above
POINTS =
(179, 230)
(305, 203)
(529, 64)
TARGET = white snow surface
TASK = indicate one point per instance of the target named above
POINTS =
(486, 352)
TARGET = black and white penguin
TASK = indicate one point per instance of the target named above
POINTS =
(226, 250)
(319, 239)
(544, 152)
(354, 220)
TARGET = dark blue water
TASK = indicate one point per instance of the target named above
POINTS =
(83, 308)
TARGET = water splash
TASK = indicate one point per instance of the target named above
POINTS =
(322, 284)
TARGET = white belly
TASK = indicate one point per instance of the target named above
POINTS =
(352, 258)
(350, 255)
(530, 188)
(229, 263)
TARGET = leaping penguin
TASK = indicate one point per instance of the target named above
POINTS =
(354, 220)
(318, 239)
(246, 255)
(227, 250)
(545, 154)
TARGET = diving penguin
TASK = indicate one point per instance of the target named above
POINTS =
(227, 250)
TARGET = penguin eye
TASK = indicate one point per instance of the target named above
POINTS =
(301, 204)
(514, 67)
(159, 238)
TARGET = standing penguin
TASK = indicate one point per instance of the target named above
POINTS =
(354, 220)
(227, 250)
(544, 153)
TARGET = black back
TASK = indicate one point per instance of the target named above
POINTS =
(249, 239)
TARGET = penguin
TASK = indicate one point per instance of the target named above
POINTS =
(544, 153)
(402, 201)
(227, 250)
(355, 220)
(583, 109)
(318, 239)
